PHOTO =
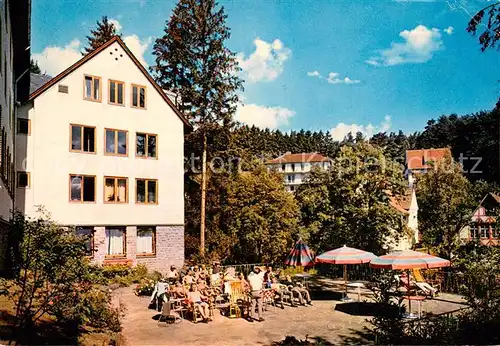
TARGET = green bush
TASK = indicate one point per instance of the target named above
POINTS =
(116, 270)
(53, 277)
(145, 287)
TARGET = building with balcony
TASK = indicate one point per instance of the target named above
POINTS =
(14, 88)
(295, 167)
(101, 147)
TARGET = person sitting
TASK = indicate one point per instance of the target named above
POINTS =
(189, 278)
(268, 276)
(281, 291)
(423, 286)
(172, 274)
(204, 270)
(196, 298)
(305, 293)
(196, 273)
(298, 291)
(244, 283)
(178, 291)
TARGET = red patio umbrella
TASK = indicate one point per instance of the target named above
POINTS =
(345, 255)
(409, 260)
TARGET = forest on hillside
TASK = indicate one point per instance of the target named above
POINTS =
(472, 137)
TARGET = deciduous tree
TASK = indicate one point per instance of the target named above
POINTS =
(350, 203)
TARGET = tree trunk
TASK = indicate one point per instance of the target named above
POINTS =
(203, 195)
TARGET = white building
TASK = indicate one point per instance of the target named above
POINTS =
(102, 149)
(408, 207)
(14, 88)
(295, 167)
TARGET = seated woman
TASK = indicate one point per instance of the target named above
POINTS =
(196, 298)
(189, 278)
(178, 291)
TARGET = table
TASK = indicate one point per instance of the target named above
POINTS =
(357, 285)
(419, 299)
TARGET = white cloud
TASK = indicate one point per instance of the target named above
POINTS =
(333, 78)
(419, 46)
(341, 130)
(449, 30)
(116, 23)
(52, 60)
(138, 46)
(262, 116)
(266, 63)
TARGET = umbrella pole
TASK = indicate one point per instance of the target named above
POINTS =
(408, 293)
(345, 279)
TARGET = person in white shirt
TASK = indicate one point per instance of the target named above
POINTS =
(172, 274)
(256, 280)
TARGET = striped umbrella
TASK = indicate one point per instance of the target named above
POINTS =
(300, 255)
(345, 255)
(409, 260)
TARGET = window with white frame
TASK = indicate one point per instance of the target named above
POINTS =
(291, 178)
(146, 241)
(115, 242)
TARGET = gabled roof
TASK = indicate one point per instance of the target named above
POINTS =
(37, 81)
(299, 158)
(420, 159)
(89, 56)
(402, 203)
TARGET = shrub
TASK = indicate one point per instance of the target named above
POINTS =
(116, 270)
(52, 276)
(139, 273)
(145, 287)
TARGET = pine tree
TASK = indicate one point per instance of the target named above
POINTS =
(193, 62)
(105, 31)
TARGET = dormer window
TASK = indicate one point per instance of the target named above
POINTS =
(92, 88)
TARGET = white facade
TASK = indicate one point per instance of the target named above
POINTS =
(6, 113)
(47, 155)
(295, 172)
(410, 215)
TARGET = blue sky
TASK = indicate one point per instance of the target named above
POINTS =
(337, 66)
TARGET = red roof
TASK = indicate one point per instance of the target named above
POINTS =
(89, 56)
(420, 159)
(402, 203)
(299, 158)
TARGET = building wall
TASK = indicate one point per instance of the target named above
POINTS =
(50, 162)
(6, 101)
(298, 170)
(45, 154)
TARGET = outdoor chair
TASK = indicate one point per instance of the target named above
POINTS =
(269, 297)
(236, 297)
(168, 313)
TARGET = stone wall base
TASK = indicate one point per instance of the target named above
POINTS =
(169, 248)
